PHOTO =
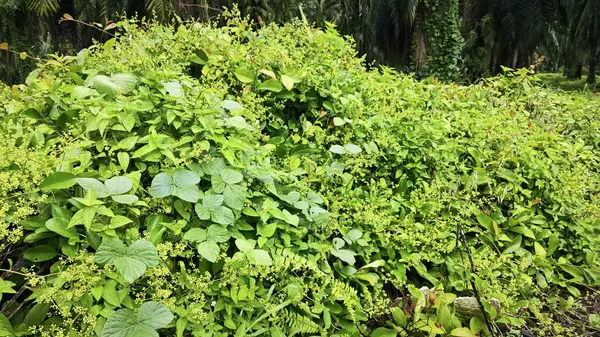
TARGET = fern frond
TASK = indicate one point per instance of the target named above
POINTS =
(295, 323)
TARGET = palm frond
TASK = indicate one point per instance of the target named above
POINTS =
(42, 7)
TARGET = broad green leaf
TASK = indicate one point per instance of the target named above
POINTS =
(209, 250)
(338, 149)
(84, 216)
(244, 75)
(488, 223)
(162, 186)
(352, 149)
(104, 85)
(223, 216)
(514, 245)
(553, 242)
(354, 234)
(40, 253)
(539, 250)
(231, 177)
(245, 245)
(286, 216)
(195, 234)
(37, 314)
(174, 89)
(124, 82)
(185, 178)
(238, 122)
(110, 295)
(259, 257)
(126, 199)
(270, 85)
(123, 158)
(119, 221)
(142, 322)
(6, 328)
(217, 233)
(384, 332)
(58, 181)
(344, 255)
(132, 261)
(212, 201)
(118, 185)
(96, 185)
(189, 193)
(234, 196)
(231, 105)
(61, 227)
(287, 81)
(462, 332)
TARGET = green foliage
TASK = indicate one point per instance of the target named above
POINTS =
(225, 181)
(444, 39)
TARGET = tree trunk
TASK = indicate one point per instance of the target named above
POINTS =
(592, 64)
(574, 70)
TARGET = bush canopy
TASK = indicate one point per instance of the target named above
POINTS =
(204, 181)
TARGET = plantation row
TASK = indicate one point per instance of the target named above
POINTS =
(202, 181)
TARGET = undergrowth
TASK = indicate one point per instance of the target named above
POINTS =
(204, 181)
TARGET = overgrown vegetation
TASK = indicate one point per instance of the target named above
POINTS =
(454, 40)
(205, 181)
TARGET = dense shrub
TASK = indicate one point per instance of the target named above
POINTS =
(202, 181)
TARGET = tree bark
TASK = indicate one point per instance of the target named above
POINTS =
(592, 64)
(573, 70)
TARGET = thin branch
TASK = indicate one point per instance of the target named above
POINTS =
(460, 233)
